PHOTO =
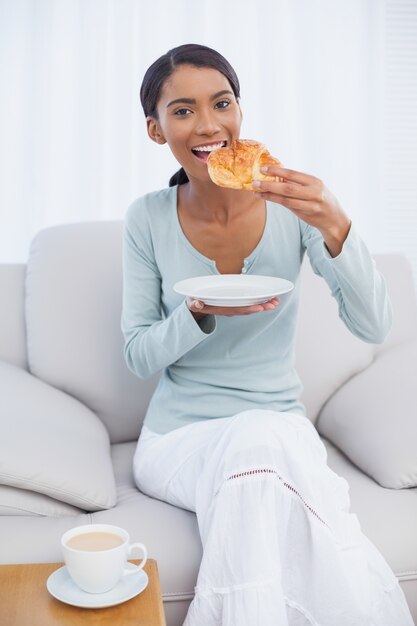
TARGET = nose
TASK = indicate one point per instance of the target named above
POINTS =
(207, 124)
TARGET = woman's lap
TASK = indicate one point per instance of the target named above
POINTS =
(174, 459)
(178, 466)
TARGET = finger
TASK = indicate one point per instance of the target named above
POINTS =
(273, 301)
(289, 190)
(237, 310)
(290, 175)
(271, 304)
(306, 207)
(234, 311)
(248, 310)
(195, 305)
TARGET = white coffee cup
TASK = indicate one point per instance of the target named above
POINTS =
(98, 570)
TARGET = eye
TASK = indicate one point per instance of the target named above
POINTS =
(181, 112)
(222, 104)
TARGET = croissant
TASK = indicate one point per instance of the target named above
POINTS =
(237, 165)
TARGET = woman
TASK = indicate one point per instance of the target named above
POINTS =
(225, 433)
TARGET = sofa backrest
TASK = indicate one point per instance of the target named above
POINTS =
(74, 341)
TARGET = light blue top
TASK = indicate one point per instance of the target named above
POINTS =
(224, 365)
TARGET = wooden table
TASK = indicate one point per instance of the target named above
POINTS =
(25, 601)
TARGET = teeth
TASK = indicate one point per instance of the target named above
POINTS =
(209, 148)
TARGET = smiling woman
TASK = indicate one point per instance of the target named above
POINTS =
(161, 72)
(225, 434)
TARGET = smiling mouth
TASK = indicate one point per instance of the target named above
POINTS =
(202, 152)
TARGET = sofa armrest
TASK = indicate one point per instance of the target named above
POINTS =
(372, 418)
(12, 319)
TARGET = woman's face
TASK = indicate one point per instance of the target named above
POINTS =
(197, 112)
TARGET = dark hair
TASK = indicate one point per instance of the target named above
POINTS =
(162, 68)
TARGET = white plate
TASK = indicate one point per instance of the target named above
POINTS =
(62, 587)
(233, 289)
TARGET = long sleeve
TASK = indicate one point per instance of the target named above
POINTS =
(356, 284)
(152, 342)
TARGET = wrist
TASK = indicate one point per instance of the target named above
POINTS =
(335, 237)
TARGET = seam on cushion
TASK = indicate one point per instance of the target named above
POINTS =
(411, 575)
(285, 483)
(336, 391)
(177, 596)
(70, 493)
(35, 513)
(21, 508)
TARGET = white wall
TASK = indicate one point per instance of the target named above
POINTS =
(73, 143)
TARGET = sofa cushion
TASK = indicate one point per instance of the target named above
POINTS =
(52, 444)
(327, 354)
(387, 516)
(14, 501)
(372, 419)
(73, 311)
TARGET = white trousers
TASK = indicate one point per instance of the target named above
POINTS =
(280, 547)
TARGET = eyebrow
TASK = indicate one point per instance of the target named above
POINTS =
(194, 101)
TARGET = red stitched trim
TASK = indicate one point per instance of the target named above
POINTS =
(290, 487)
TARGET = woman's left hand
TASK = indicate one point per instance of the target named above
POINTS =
(310, 200)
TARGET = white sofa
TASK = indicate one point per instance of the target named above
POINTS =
(59, 467)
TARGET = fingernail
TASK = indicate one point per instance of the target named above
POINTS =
(256, 184)
(264, 169)
(198, 304)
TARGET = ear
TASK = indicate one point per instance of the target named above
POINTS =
(154, 130)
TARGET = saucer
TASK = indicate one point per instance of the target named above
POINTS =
(62, 587)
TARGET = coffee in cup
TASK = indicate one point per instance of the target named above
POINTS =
(96, 556)
(95, 541)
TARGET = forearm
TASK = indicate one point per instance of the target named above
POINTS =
(151, 348)
(355, 283)
(364, 304)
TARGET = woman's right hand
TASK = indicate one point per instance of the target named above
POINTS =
(199, 309)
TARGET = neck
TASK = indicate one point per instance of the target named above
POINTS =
(210, 202)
